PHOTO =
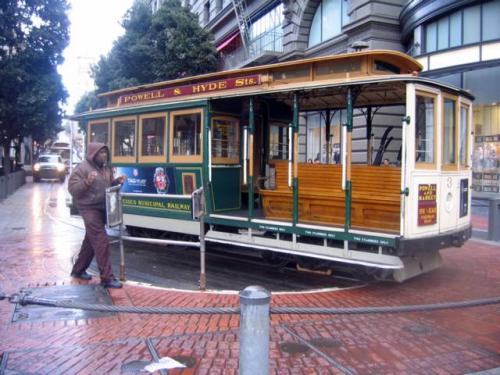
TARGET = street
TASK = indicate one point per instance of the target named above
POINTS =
(39, 240)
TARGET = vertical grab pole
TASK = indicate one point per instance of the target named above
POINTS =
(295, 148)
(245, 154)
(290, 150)
(203, 276)
(347, 167)
(250, 158)
(120, 233)
(209, 136)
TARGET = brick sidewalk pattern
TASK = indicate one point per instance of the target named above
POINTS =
(36, 250)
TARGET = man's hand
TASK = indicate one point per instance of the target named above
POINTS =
(91, 178)
(122, 179)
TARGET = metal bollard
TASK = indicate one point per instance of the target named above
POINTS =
(494, 220)
(254, 331)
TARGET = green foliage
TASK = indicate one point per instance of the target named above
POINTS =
(167, 45)
(33, 35)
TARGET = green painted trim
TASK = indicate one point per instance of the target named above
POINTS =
(115, 112)
(318, 233)
(176, 166)
(295, 208)
(296, 111)
(348, 206)
(207, 186)
(349, 110)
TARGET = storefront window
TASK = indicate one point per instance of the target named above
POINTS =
(266, 33)
(328, 20)
(472, 24)
(491, 26)
(153, 136)
(124, 137)
(225, 140)
(424, 130)
(278, 142)
(99, 132)
(323, 145)
(466, 26)
(186, 136)
(449, 135)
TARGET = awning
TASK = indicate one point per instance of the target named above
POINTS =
(225, 43)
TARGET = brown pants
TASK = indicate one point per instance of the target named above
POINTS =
(94, 243)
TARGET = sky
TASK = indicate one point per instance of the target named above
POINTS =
(95, 24)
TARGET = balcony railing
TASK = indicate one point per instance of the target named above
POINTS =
(261, 50)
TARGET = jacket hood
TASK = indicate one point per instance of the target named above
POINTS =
(93, 149)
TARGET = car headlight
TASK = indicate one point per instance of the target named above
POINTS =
(36, 167)
(60, 167)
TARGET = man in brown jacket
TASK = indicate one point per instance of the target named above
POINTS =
(87, 185)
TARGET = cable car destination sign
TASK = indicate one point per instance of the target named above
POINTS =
(193, 89)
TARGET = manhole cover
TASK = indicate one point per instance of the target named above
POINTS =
(90, 294)
(293, 347)
(418, 329)
(325, 343)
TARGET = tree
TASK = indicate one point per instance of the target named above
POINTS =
(33, 35)
(185, 48)
(167, 45)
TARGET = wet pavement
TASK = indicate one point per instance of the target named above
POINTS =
(39, 240)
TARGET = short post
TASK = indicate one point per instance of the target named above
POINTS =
(203, 276)
(494, 220)
(254, 330)
(122, 253)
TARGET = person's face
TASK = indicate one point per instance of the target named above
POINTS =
(101, 157)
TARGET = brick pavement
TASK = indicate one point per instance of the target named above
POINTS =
(36, 250)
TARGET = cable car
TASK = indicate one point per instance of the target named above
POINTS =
(351, 160)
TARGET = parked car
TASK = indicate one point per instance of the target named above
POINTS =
(49, 167)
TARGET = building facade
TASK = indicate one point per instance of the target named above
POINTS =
(456, 41)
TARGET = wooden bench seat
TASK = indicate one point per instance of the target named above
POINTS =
(375, 197)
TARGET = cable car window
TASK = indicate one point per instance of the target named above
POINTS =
(185, 137)
(449, 135)
(153, 136)
(124, 137)
(424, 129)
(464, 130)
(99, 132)
(225, 140)
(339, 67)
(289, 74)
(382, 66)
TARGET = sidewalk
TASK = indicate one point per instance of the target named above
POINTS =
(36, 251)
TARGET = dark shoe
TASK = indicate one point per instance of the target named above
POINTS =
(113, 283)
(82, 276)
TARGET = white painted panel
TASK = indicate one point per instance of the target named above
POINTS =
(159, 223)
(491, 51)
(424, 61)
(456, 57)
(449, 202)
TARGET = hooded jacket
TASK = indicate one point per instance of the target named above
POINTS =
(91, 196)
